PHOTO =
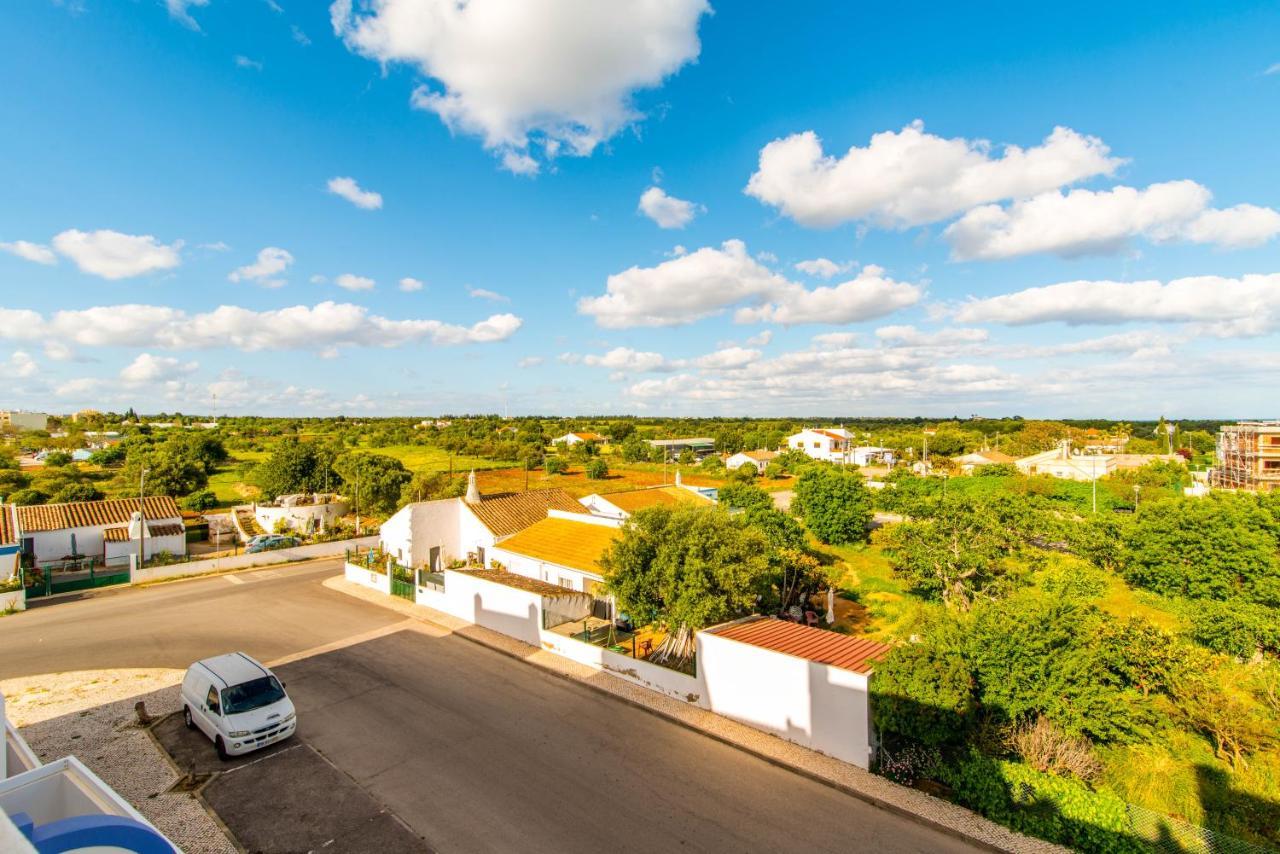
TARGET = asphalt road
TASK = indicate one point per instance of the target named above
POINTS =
(471, 749)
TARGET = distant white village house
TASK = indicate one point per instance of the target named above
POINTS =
(571, 439)
(760, 459)
(835, 445)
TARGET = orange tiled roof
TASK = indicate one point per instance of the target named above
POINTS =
(762, 456)
(589, 437)
(817, 645)
(8, 530)
(522, 582)
(667, 496)
(168, 530)
(831, 435)
(576, 545)
(511, 512)
(118, 534)
(89, 514)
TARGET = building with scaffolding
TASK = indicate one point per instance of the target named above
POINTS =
(1248, 456)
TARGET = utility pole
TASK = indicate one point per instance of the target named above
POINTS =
(357, 498)
(1137, 490)
(1095, 489)
(142, 515)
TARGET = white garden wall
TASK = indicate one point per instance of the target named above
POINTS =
(243, 561)
(652, 676)
(816, 705)
(380, 581)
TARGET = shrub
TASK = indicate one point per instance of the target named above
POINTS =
(746, 472)
(597, 469)
(1046, 748)
(908, 764)
(1058, 809)
(1241, 629)
(555, 465)
(924, 692)
(200, 501)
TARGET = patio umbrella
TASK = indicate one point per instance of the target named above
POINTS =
(831, 605)
(73, 544)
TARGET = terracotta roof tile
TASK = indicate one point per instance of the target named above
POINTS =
(667, 496)
(563, 542)
(522, 582)
(116, 535)
(511, 512)
(8, 529)
(817, 645)
(88, 514)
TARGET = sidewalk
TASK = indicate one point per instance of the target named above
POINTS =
(864, 785)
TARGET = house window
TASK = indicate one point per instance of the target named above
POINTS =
(817, 444)
(1271, 465)
(567, 582)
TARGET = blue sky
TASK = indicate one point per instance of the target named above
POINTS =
(1059, 212)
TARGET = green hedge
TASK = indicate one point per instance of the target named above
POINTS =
(1058, 809)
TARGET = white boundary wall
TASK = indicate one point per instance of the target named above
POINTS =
(15, 599)
(816, 705)
(335, 548)
(380, 581)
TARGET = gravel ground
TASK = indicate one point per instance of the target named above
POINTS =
(90, 714)
(850, 778)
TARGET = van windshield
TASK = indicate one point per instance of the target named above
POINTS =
(251, 695)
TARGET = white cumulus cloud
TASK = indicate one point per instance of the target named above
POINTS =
(1218, 305)
(37, 252)
(1084, 222)
(558, 74)
(350, 190)
(20, 366)
(911, 177)
(823, 268)
(710, 280)
(352, 282)
(666, 211)
(147, 368)
(485, 294)
(299, 327)
(409, 284)
(270, 263)
(113, 255)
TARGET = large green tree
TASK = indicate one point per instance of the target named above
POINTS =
(686, 567)
(374, 480)
(925, 692)
(1219, 547)
(835, 504)
(296, 466)
(955, 555)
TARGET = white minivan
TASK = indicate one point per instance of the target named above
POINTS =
(236, 702)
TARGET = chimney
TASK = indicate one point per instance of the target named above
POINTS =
(473, 492)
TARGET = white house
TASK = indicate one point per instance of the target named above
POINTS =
(976, 460)
(563, 549)
(830, 444)
(620, 505)
(109, 530)
(571, 439)
(760, 459)
(305, 513)
(431, 534)
(8, 542)
(1061, 462)
(806, 685)
(870, 455)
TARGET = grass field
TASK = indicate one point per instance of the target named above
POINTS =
(230, 483)
(422, 458)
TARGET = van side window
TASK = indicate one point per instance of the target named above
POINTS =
(212, 700)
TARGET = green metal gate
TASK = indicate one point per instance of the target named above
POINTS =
(402, 583)
(71, 575)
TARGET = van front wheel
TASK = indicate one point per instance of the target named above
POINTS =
(186, 717)
(221, 748)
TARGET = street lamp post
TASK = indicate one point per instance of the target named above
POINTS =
(1137, 491)
(142, 515)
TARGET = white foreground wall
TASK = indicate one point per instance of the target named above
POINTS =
(816, 705)
(335, 548)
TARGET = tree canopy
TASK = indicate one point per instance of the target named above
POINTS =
(835, 504)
